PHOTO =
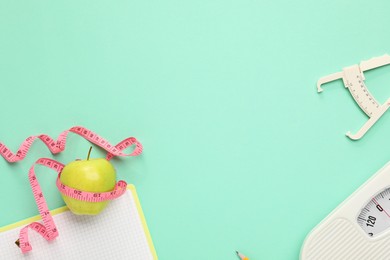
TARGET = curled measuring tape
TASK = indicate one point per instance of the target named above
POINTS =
(48, 229)
(59, 145)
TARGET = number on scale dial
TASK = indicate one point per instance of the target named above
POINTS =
(374, 218)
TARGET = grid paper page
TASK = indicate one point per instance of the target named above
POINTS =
(116, 233)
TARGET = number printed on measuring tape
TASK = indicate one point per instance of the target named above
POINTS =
(48, 229)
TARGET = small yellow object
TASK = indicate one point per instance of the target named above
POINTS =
(241, 256)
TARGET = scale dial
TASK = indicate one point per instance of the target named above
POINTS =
(374, 218)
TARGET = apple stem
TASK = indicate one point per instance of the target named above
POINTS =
(89, 152)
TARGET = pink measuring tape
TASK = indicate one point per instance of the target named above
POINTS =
(48, 229)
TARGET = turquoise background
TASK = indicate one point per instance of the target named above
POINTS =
(240, 151)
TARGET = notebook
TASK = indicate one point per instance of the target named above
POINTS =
(119, 232)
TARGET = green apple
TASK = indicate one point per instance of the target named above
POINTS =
(92, 175)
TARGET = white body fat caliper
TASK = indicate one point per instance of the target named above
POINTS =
(353, 79)
(359, 228)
